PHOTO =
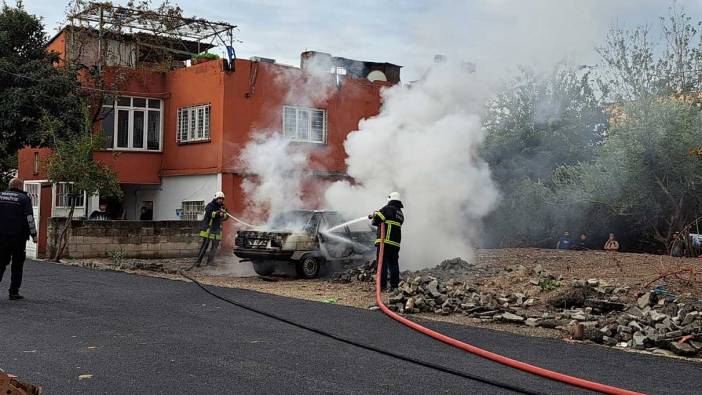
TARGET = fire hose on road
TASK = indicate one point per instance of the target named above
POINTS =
(549, 374)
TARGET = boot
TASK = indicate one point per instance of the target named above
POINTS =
(16, 296)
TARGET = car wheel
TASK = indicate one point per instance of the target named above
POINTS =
(263, 268)
(308, 267)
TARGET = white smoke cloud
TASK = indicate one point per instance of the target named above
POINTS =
(423, 144)
(279, 169)
(278, 165)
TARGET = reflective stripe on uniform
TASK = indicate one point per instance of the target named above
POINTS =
(379, 214)
(395, 223)
(210, 235)
(388, 242)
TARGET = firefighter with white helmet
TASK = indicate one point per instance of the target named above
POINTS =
(393, 218)
(211, 229)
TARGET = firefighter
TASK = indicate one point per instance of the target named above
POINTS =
(16, 225)
(211, 229)
(391, 215)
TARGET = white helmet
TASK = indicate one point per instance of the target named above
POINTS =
(219, 194)
(394, 196)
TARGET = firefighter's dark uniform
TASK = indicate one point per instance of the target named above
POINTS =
(211, 230)
(393, 218)
(16, 225)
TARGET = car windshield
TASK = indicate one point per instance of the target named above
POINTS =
(292, 220)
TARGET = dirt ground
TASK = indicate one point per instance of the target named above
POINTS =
(505, 270)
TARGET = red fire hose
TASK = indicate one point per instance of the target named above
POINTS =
(549, 374)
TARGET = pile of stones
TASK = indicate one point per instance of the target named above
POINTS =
(587, 309)
(657, 321)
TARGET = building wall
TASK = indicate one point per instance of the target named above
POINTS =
(195, 85)
(176, 189)
(134, 239)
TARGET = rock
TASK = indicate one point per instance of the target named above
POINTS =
(682, 349)
(646, 299)
(396, 298)
(689, 318)
(674, 334)
(533, 322)
(610, 341)
(638, 340)
(409, 305)
(660, 351)
(549, 323)
(579, 316)
(509, 317)
(635, 326)
(593, 282)
(593, 334)
(433, 289)
(656, 316)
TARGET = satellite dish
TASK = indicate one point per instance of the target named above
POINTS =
(377, 75)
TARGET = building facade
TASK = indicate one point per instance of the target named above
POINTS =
(174, 137)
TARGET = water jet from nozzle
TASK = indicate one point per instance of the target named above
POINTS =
(347, 223)
(240, 221)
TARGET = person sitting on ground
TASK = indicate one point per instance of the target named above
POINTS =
(582, 244)
(101, 214)
(677, 248)
(612, 244)
(564, 243)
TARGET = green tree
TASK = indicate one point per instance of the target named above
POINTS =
(71, 161)
(535, 125)
(30, 85)
(636, 66)
(644, 173)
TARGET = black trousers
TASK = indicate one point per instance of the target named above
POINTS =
(203, 250)
(391, 264)
(13, 250)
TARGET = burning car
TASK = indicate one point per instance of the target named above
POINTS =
(306, 239)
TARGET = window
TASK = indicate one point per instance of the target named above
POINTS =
(193, 210)
(305, 124)
(33, 193)
(132, 123)
(35, 169)
(64, 196)
(193, 124)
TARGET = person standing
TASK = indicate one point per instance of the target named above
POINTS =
(100, 214)
(211, 229)
(393, 218)
(16, 226)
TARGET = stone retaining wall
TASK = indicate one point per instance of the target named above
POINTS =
(130, 239)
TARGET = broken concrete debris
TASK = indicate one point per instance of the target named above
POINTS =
(586, 309)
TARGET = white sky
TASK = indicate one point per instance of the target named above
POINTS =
(492, 33)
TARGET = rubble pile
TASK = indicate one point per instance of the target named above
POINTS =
(363, 273)
(586, 309)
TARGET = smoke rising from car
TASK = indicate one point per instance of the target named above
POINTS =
(423, 144)
(276, 165)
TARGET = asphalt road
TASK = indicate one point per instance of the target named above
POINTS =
(137, 334)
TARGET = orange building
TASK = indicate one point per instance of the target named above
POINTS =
(175, 135)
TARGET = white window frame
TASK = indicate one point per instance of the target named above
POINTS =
(309, 111)
(54, 194)
(198, 125)
(115, 108)
(198, 215)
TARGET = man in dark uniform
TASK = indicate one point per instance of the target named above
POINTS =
(211, 229)
(16, 225)
(391, 215)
